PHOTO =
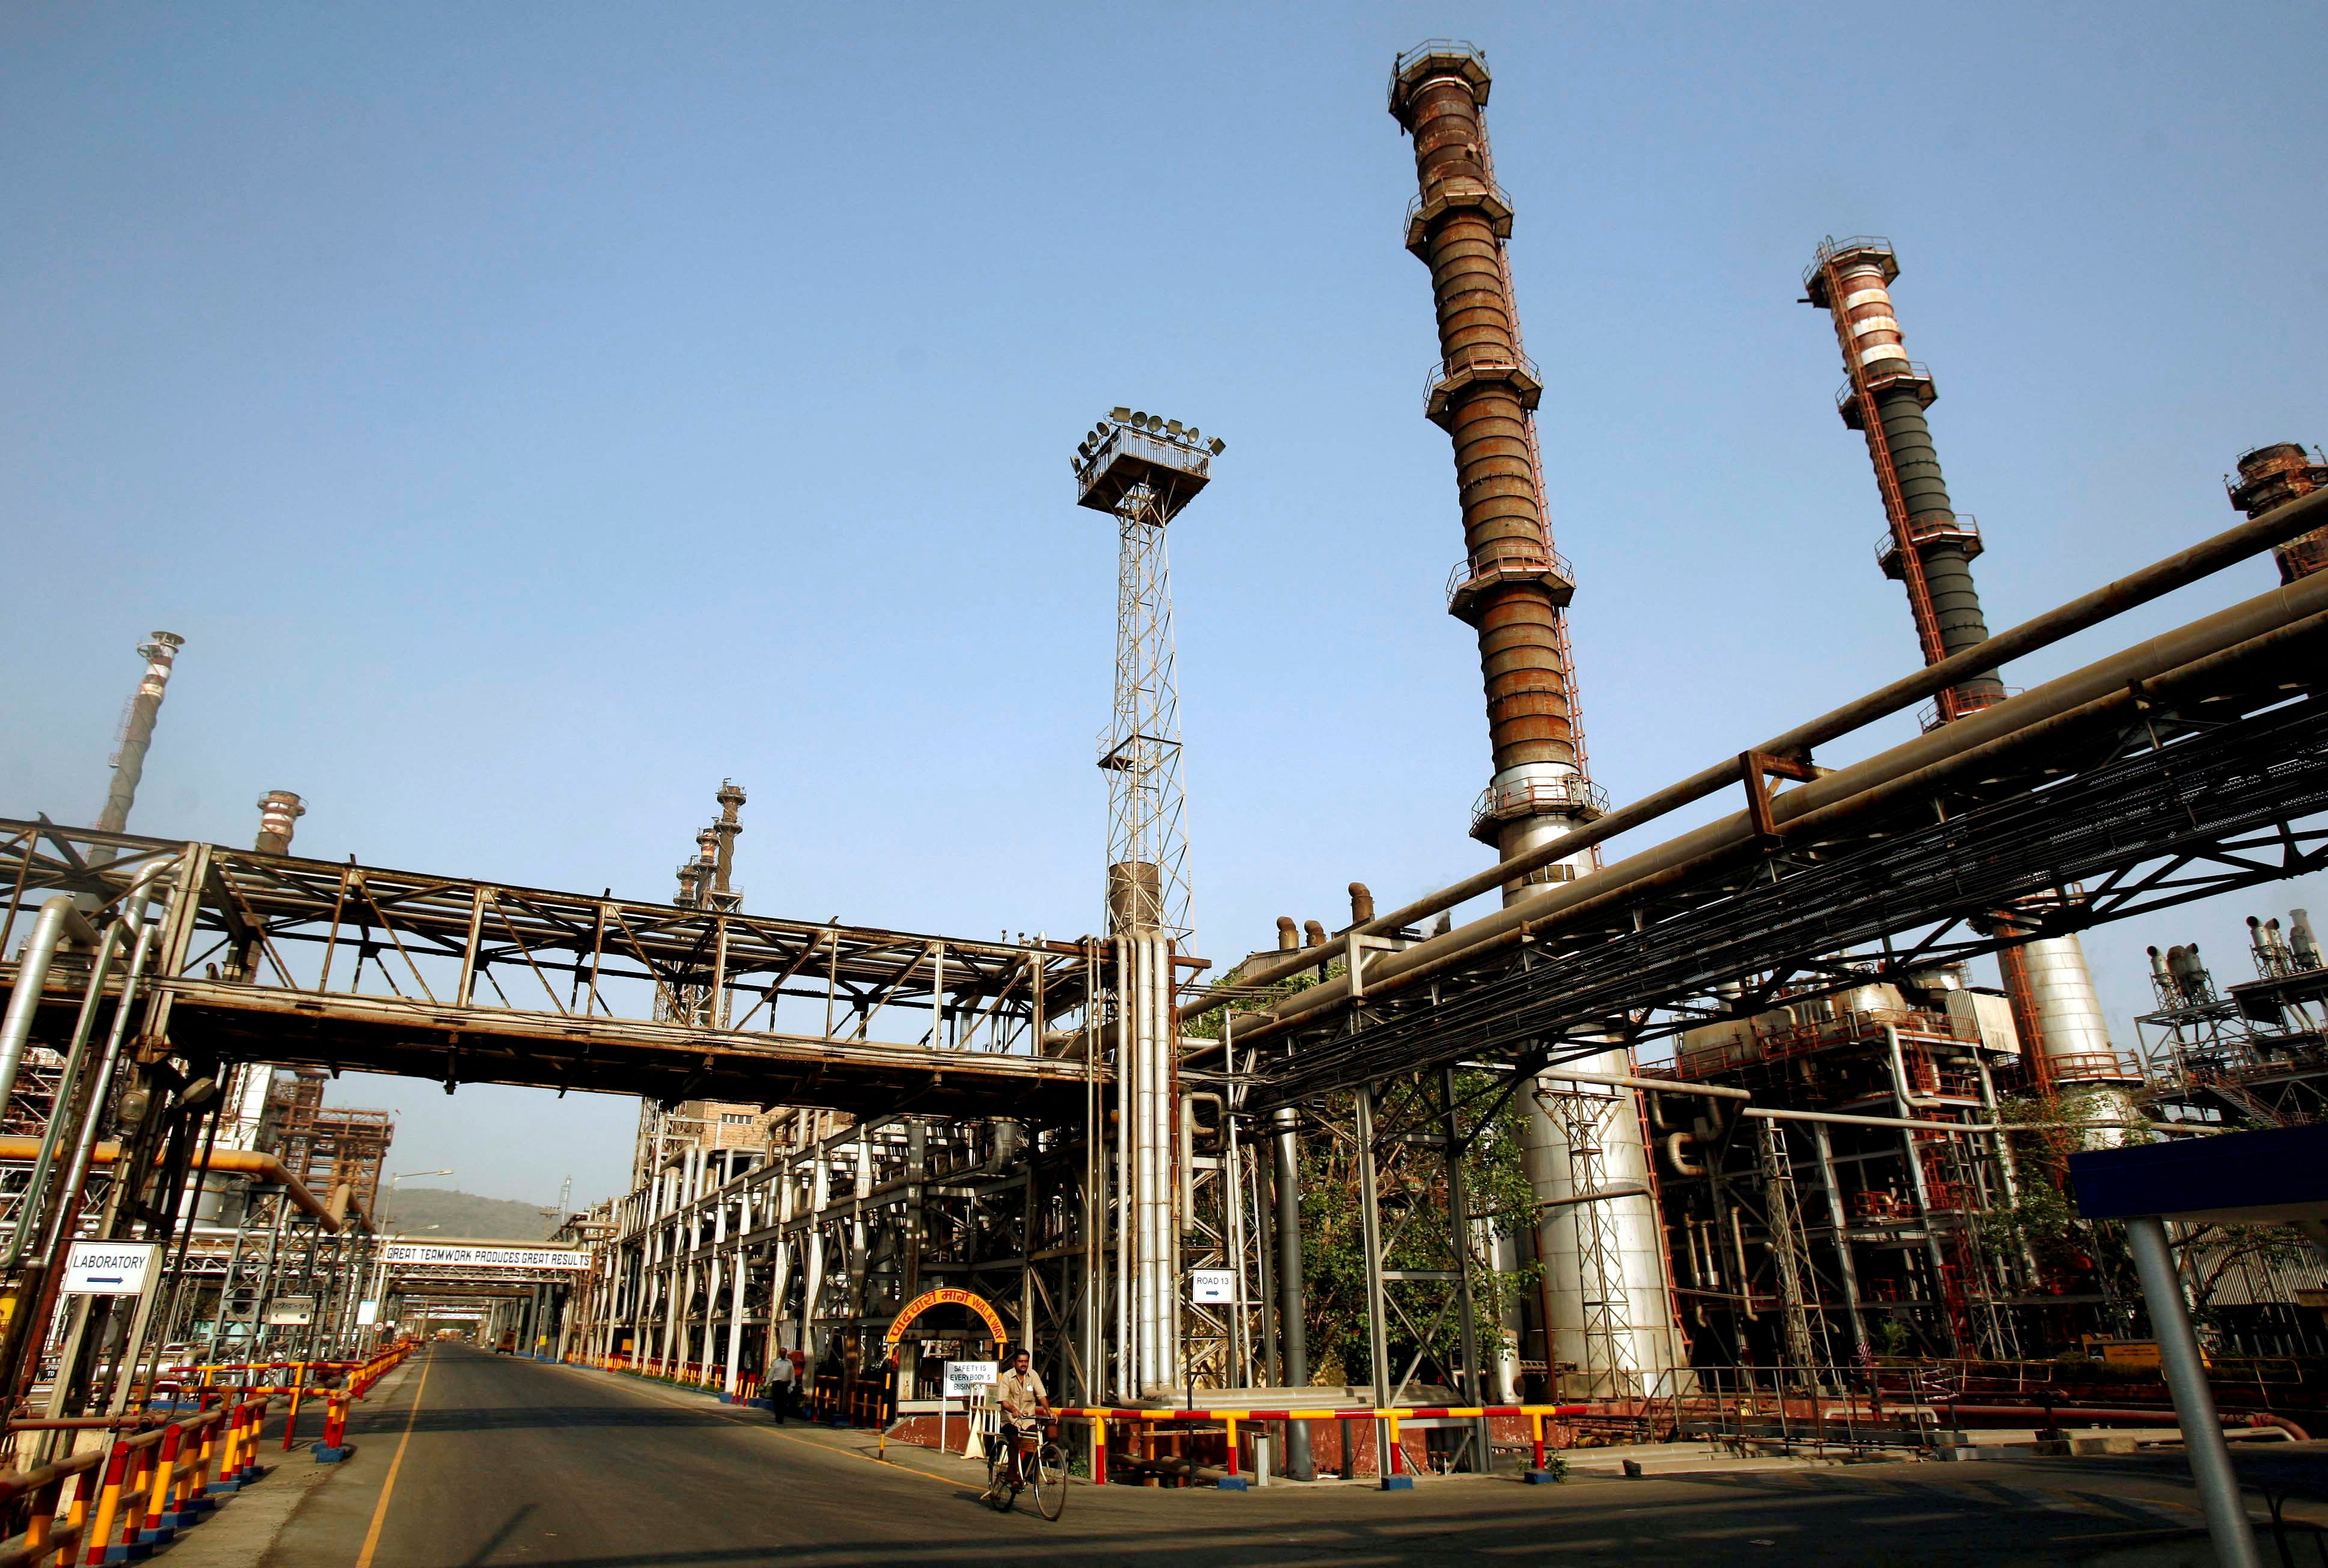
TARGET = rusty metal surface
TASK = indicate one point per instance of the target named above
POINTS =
(1481, 394)
(2269, 478)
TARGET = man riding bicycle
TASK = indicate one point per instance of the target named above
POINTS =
(1025, 1404)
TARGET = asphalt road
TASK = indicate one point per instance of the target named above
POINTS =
(469, 1458)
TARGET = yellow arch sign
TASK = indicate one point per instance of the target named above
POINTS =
(948, 1297)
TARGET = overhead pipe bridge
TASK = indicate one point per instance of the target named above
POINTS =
(271, 958)
(2193, 763)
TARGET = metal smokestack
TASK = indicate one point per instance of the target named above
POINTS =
(1515, 589)
(137, 730)
(730, 798)
(1930, 550)
(2269, 478)
(1931, 547)
(1512, 586)
(279, 810)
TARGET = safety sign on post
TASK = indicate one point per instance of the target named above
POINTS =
(1212, 1287)
(111, 1268)
(965, 1379)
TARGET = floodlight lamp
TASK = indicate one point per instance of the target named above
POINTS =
(1194, 435)
(1173, 426)
(1140, 418)
(1216, 445)
(1118, 413)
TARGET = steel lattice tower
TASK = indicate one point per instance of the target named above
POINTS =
(1142, 469)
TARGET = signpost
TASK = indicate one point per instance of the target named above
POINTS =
(110, 1268)
(1212, 1287)
(965, 1381)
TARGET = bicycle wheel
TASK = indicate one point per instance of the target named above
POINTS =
(1050, 1464)
(999, 1493)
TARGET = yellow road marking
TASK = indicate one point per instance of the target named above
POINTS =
(379, 1510)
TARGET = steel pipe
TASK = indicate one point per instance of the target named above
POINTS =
(2084, 693)
(2194, 1400)
(59, 918)
(1897, 1123)
(2140, 587)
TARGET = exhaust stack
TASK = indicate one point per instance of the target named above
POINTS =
(1512, 586)
(1606, 1309)
(137, 730)
(2269, 478)
(279, 811)
(1929, 549)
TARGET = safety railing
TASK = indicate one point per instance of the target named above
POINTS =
(1477, 364)
(1929, 717)
(1568, 793)
(1961, 528)
(1885, 374)
(709, 1375)
(1504, 562)
(133, 1494)
(1391, 1463)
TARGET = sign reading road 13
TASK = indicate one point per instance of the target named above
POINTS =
(110, 1268)
(483, 1257)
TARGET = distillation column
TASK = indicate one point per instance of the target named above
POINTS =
(1930, 550)
(1606, 1302)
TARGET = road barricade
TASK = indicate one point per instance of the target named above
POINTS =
(116, 1503)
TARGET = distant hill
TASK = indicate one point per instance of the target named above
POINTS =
(463, 1214)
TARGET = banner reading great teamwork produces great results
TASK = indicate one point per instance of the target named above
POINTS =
(447, 1257)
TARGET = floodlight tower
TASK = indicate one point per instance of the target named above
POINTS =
(1142, 469)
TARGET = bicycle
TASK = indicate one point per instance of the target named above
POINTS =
(1012, 1468)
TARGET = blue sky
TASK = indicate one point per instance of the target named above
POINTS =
(531, 415)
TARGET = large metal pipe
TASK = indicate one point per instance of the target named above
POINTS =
(266, 1168)
(2114, 598)
(1292, 1309)
(59, 919)
(2072, 698)
(2220, 1496)
(137, 732)
(30, 1212)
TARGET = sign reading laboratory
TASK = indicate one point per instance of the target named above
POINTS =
(429, 1254)
(110, 1268)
